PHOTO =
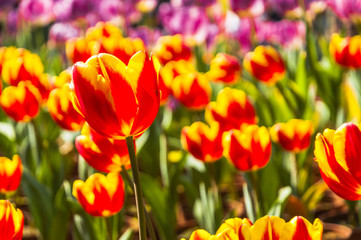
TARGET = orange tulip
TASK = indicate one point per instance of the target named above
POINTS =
(249, 148)
(21, 102)
(265, 64)
(232, 110)
(337, 154)
(26, 66)
(192, 90)
(11, 221)
(10, 173)
(103, 154)
(62, 110)
(267, 227)
(346, 51)
(224, 68)
(295, 135)
(78, 49)
(100, 195)
(116, 100)
(171, 48)
(203, 142)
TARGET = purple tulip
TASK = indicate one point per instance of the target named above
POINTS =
(60, 32)
(348, 9)
(36, 11)
(148, 35)
(253, 8)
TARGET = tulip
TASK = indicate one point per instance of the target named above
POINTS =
(169, 72)
(248, 7)
(192, 90)
(100, 195)
(337, 155)
(103, 30)
(265, 64)
(62, 110)
(38, 12)
(249, 148)
(122, 48)
(224, 68)
(203, 142)
(300, 228)
(63, 78)
(267, 227)
(116, 100)
(26, 66)
(21, 102)
(346, 51)
(171, 48)
(12, 221)
(78, 49)
(103, 154)
(294, 135)
(232, 110)
(10, 173)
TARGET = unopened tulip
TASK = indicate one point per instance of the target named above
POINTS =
(171, 48)
(11, 221)
(265, 64)
(337, 154)
(10, 173)
(78, 49)
(224, 68)
(26, 66)
(62, 111)
(103, 154)
(346, 51)
(294, 136)
(21, 102)
(301, 228)
(116, 100)
(202, 141)
(249, 148)
(100, 195)
(103, 30)
(231, 110)
(192, 90)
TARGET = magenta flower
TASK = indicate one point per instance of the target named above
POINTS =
(348, 9)
(39, 12)
(62, 31)
(253, 8)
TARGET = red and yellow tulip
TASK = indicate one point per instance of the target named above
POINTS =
(103, 30)
(116, 100)
(267, 227)
(100, 195)
(202, 141)
(103, 154)
(79, 49)
(11, 221)
(10, 173)
(265, 64)
(224, 68)
(346, 51)
(169, 72)
(26, 66)
(231, 110)
(171, 48)
(21, 102)
(337, 154)
(249, 148)
(62, 110)
(192, 90)
(294, 136)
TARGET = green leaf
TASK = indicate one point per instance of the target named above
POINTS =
(248, 202)
(279, 204)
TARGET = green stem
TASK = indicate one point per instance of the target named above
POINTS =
(258, 193)
(108, 222)
(293, 172)
(137, 189)
(148, 220)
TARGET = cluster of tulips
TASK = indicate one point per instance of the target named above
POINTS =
(113, 91)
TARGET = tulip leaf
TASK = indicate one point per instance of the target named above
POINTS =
(127, 235)
(248, 202)
(279, 204)
(40, 201)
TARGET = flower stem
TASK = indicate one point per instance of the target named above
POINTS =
(148, 220)
(137, 189)
(259, 197)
